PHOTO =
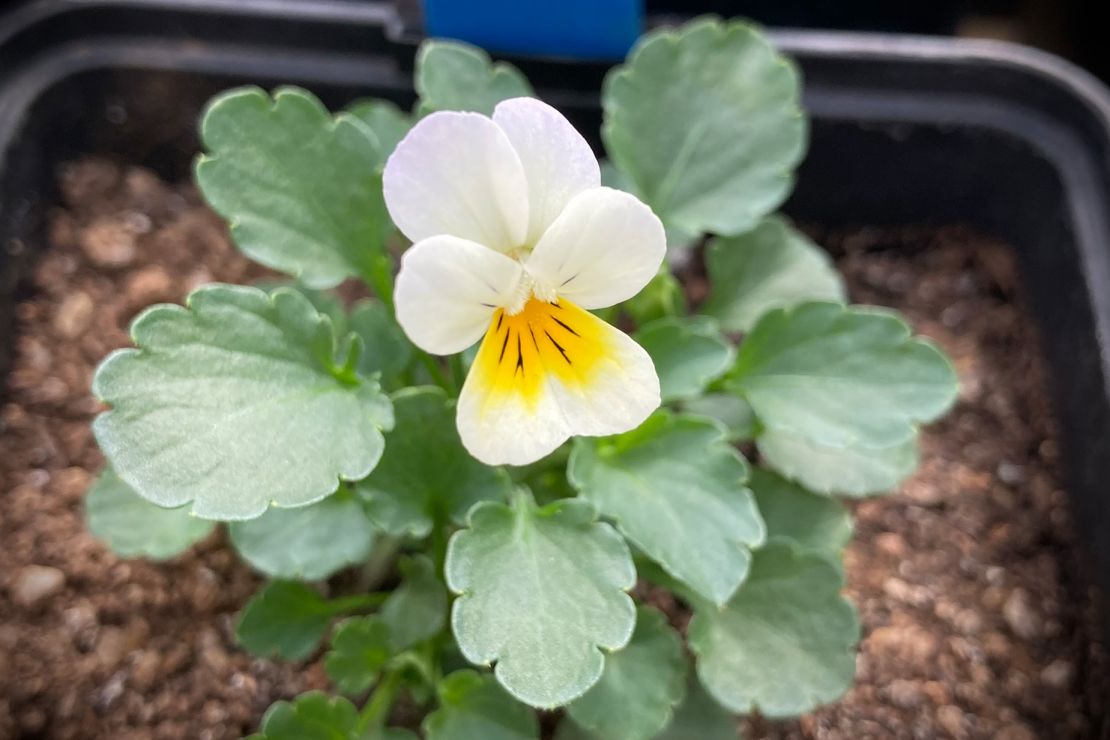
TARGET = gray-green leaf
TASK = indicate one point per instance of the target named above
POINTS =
(309, 542)
(473, 707)
(785, 643)
(841, 376)
(360, 647)
(451, 75)
(705, 120)
(237, 402)
(641, 684)
(792, 513)
(699, 717)
(286, 619)
(524, 574)
(386, 120)
(730, 410)
(311, 716)
(772, 266)
(675, 488)
(689, 353)
(850, 471)
(386, 349)
(133, 527)
(417, 609)
(428, 476)
(298, 186)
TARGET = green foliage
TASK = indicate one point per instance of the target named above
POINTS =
(195, 407)
(133, 527)
(854, 470)
(286, 619)
(805, 519)
(785, 643)
(473, 707)
(451, 75)
(311, 716)
(295, 183)
(417, 609)
(733, 412)
(386, 120)
(522, 574)
(386, 349)
(641, 684)
(675, 488)
(428, 477)
(771, 266)
(360, 648)
(310, 542)
(689, 353)
(699, 717)
(661, 298)
(704, 119)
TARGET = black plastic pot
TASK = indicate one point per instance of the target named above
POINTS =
(905, 130)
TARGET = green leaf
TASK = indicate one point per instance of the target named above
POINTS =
(325, 302)
(386, 120)
(134, 527)
(286, 619)
(772, 266)
(451, 75)
(792, 513)
(675, 489)
(705, 120)
(699, 717)
(386, 348)
(641, 684)
(730, 410)
(428, 476)
(841, 376)
(524, 575)
(417, 609)
(785, 643)
(297, 186)
(360, 647)
(663, 296)
(850, 471)
(308, 543)
(689, 353)
(473, 707)
(237, 402)
(311, 716)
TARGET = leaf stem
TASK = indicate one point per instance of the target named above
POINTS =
(358, 602)
(376, 710)
(437, 373)
(379, 276)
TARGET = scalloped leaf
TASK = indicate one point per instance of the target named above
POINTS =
(848, 471)
(733, 412)
(699, 717)
(705, 120)
(473, 707)
(451, 75)
(386, 348)
(675, 488)
(286, 619)
(195, 408)
(785, 644)
(308, 543)
(360, 648)
(311, 716)
(840, 376)
(522, 574)
(428, 476)
(417, 609)
(792, 513)
(132, 527)
(297, 185)
(772, 266)
(689, 353)
(640, 687)
(388, 122)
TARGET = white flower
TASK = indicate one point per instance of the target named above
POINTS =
(514, 238)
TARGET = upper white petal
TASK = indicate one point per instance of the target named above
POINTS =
(558, 163)
(456, 173)
(602, 249)
(447, 290)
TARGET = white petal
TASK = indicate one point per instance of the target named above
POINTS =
(447, 290)
(603, 249)
(548, 373)
(457, 174)
(558, 163)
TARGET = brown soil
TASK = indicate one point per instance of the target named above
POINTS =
(976, 619)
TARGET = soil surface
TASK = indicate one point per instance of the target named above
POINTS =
(976, 615)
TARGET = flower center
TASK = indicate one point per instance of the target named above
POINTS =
(527, 289)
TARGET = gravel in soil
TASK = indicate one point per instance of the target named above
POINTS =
(976, 615)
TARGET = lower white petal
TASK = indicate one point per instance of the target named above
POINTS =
(551, 372)
(447, 290)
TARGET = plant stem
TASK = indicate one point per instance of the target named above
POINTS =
(376, 710)
(379, 276)
(436, 372)
(357, 602)
(380, 562)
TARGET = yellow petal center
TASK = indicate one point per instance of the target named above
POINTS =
(521, 351)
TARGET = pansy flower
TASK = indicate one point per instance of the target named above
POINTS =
(514, 240)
